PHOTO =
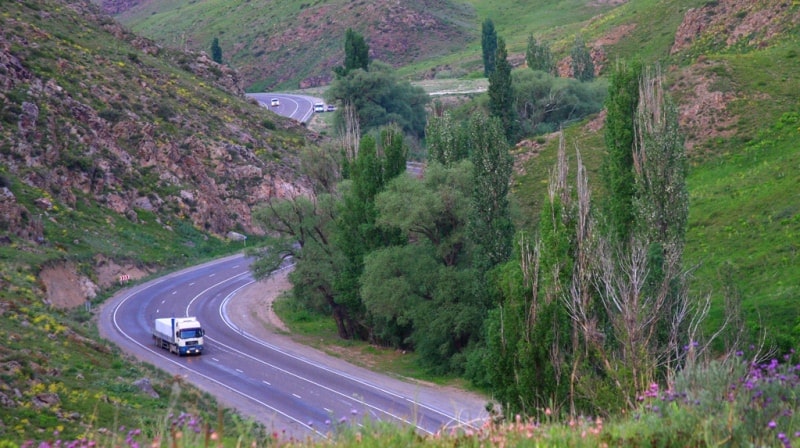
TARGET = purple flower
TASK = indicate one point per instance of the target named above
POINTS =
(772, 424)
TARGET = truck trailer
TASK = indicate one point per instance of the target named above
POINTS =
(179, 335)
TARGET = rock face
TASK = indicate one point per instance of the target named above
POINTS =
(725, 23)
(116, 128)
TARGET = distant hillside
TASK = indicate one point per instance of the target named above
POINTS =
(296, 44)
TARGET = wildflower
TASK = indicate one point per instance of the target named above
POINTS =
(772, 424)
(547, 411)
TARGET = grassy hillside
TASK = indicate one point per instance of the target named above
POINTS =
(115, 157)
(295, 43)
(289, 43)
(739, 108)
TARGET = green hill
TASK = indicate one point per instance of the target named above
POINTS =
(116, 157)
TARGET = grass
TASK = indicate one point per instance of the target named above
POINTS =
(319, 331)
(746, 400)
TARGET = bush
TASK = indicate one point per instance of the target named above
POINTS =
(735, 402)
(545, 102)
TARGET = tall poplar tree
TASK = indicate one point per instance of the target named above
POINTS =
(216, 51)
(501, 93)
(357, 233)
(489, 46)
(490, 228)
(617, 170)
(356, 53)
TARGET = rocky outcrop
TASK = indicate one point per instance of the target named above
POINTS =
(113, 7)
(726, 23)
(116, 128)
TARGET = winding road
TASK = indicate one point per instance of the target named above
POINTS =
(298, 107)
(290, 388)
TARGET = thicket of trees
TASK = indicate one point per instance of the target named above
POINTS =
(538, 56)
(370, 91)
(589, 318)
(544, 102)
(581, 60)
(579, 314)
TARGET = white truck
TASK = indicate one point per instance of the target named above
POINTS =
(179, 335)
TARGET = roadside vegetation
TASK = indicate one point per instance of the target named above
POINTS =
(448, 293)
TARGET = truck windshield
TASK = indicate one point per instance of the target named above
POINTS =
(191, 333)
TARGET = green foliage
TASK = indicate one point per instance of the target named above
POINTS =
(490, 228)
(501, 93)
(538, 56)
(545, 103)
(356, 53)
(435, 209)
(216, 51)
(445, 142)
(617, 174)
(380, 99)
(421, 295)
(489, 47)
(303, 230)
(581, 60)
(356, 233)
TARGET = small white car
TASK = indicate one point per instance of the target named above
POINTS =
(319, 107)
(275, 102)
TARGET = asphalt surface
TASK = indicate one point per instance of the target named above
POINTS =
(288, 387)
(297, 107)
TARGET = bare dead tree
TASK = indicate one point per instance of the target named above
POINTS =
(350, 132)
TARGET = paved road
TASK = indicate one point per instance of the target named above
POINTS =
(273, 384)
(298, 107)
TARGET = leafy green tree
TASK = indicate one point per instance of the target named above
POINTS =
(421, 295)
(379, 98)
(538, 56)
(356, 53)
(302, 229)
(435, 209)
(356, 232)
(216, 51)
(501, 93)
(488, 46)
(617, 170)
(582, 64)
(445, 140)
(490, 229)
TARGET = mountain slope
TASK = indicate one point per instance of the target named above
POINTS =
(118, 158)
(295, 43)
(100, 114)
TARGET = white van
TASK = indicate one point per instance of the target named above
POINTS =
(319, 107)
